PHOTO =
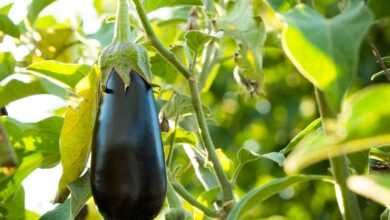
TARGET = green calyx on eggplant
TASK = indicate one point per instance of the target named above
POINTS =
(128, 174)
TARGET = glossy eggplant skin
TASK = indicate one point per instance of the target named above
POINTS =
(128, 169)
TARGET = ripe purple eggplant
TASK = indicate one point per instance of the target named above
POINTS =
(128, 169)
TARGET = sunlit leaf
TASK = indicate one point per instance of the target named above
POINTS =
(76, 134)
(376, 188)
(69, 74)
(80, 193)
(7, 65)
(41, 137)
(360, 127)
(254, 197)
(8, 27)
(322, 51)
(35, 8)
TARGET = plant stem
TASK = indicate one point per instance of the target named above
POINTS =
(196, 102)
(122, 25)
(164, 52)
(347, 201)
(187, 196)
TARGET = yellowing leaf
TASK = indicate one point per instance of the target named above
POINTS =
(76, 134)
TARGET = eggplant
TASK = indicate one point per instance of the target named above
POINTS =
(128, 176)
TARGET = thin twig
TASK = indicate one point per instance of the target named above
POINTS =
(379, 59)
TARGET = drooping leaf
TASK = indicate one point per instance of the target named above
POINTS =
(376, 187)
(8, 27)
(7, 65)
(322, 51)
(20, 85)
(80, 193)
(35, 8)
(69, 74)
(151, 5)
(76, 134)
(256, 196)
(360, 127)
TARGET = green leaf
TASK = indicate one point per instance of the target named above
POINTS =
(41, 137)
(258, 195)
(204, 174)
(209, 197)
(6, 8)
(248, 31)
(69, 74)
(8, 27)
(21, 85)
(246, 155)
(321, 49)
(366, 114)
(35, 8)
(376, 188)
(180, 105)
(381, 8)
(7, 65)
(13, 207)
(196, 40)
(77, 132)
(9, 186)
(360, 127)
(312, 127)
(150, 5)
(80, 193)
(282, 5)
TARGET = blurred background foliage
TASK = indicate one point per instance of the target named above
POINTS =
(263, 121)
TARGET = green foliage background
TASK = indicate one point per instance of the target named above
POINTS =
(264, 118)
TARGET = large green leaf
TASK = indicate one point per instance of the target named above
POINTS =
(373, 187)
(360, 127)
(35, 8)
(41, 137)
(151, 5)
(196, 40)
(254, 197)
(76, 134)
(322, 50)
(7, 65)
(21, 85)
(80, 193)
(8, 27)
(67, 73)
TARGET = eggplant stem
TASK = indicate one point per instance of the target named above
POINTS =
(122, 25)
